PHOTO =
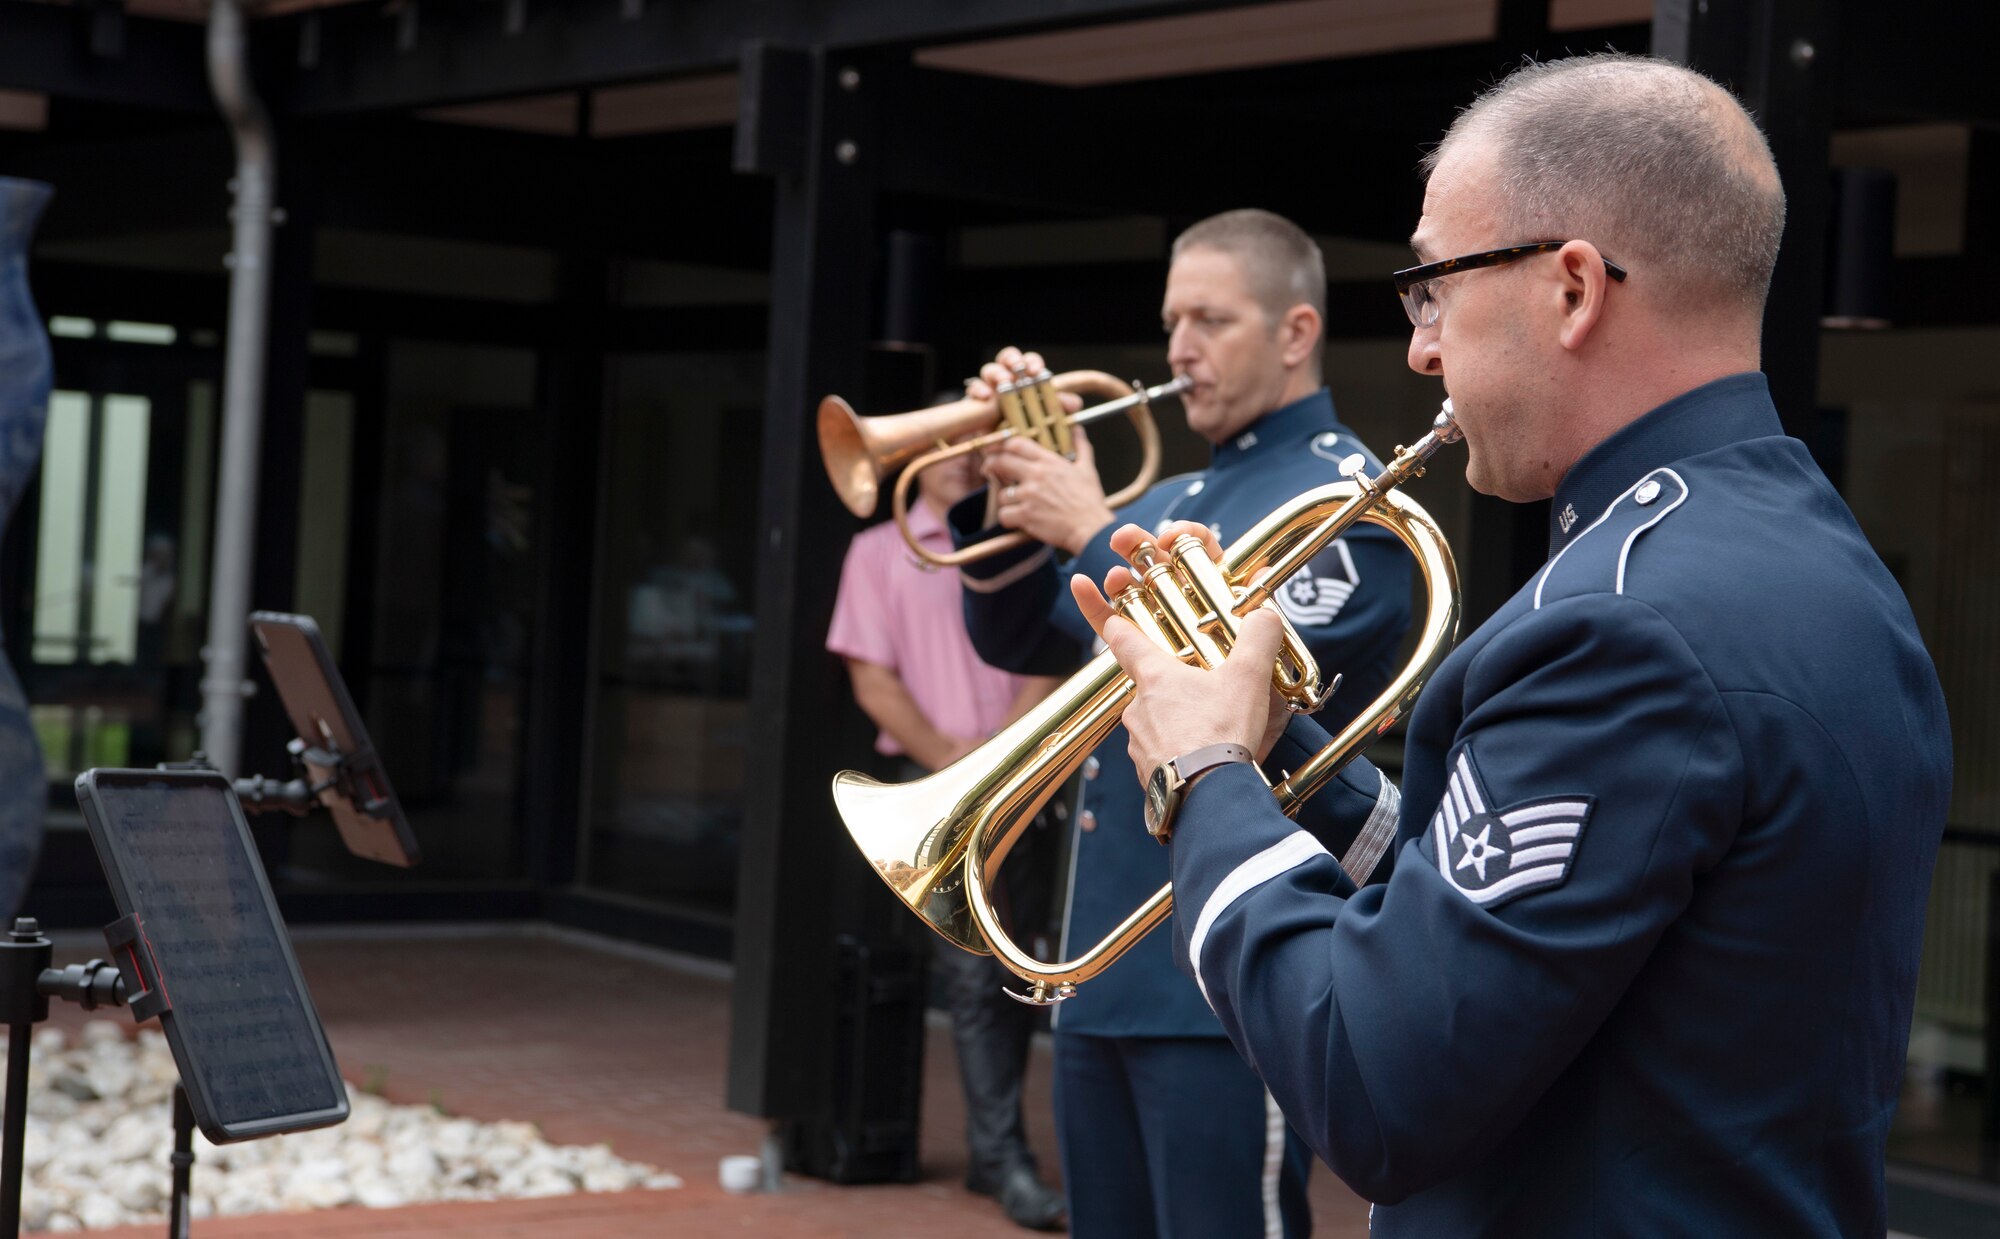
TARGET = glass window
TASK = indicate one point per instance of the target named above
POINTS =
(443, 684)
(1922, 434)
(671, 708)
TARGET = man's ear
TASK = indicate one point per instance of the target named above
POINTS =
(1299, 332)
(1583, 284)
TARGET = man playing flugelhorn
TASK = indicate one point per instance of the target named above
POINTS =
(1646, 961)
(1164, 1130)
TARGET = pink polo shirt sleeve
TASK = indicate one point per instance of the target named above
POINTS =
(896, 612)
(862, 621)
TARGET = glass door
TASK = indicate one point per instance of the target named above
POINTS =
(116, 586)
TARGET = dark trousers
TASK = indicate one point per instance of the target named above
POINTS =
(1174, 1138)
(991, 1031)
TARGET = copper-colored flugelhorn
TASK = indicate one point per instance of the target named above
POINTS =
(860, 451)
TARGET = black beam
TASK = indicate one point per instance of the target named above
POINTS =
(1175, 157)
(365, 59)
(48, 48)
(1927, 60)
(1119, 303)
(88, 291)
(799, 876)
(131, 185)
(572, 420)
(1331, 144)
(664, 196)
(1783, 59)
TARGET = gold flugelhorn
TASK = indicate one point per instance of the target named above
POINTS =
(939, 841)
(860, 451)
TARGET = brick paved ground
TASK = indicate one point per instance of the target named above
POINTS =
(602, 1045)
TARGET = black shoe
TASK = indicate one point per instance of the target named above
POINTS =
(1028, 1202)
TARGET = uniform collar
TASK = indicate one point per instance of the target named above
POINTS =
(1287, 424)
(1716, 414)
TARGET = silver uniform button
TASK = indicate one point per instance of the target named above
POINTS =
(1648, 491)
(1086, 821)
(1090, 767)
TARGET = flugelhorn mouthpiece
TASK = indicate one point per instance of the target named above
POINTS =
(1445, 427)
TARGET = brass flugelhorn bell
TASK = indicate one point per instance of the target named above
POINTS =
(939, 841)
(860, 451)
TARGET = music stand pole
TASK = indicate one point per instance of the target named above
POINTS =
(178, 1210)
(24, 953)
(19, 1036)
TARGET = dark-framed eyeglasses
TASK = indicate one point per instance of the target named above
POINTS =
(1413, 284)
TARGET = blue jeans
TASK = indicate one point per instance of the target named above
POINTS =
(25, 378)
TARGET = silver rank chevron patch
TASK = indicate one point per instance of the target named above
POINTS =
(1315, 593)
(1492, 856)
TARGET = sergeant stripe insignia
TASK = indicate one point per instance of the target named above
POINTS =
(1493, 856)
(1316, 593)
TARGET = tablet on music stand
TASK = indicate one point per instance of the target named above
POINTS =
(341, 765)
(202, 945)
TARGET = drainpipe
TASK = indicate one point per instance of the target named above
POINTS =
(222, 686)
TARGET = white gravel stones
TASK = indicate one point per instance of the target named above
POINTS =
(100, 1130)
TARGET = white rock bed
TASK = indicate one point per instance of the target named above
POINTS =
(100, 1132)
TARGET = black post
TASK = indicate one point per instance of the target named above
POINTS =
(19, 1037)
(24, 953)
(807, 120)
(570, 380)
(179, 1209)
(1780, 58)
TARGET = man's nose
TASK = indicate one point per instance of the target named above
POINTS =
(1180, 346)
(1425, 357)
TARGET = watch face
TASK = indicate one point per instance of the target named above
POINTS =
(1156, 799)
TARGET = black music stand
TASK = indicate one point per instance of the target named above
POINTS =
(337, 768)
(290, 1082)
(202, 947)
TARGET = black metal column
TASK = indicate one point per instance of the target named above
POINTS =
(808, 910)
(572, 413)
(1780, 58)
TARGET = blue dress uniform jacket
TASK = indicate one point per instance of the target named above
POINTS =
(1646, 962)
(1351, 607)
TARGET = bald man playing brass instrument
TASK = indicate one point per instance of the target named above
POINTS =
(1646, 960)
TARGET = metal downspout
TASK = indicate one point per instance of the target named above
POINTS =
(222, 686)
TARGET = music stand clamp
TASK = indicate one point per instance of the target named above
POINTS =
(27, 983)
(335, 762)
(261, 794)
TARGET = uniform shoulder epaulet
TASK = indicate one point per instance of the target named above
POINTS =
(1596, 561)
(1331, 445)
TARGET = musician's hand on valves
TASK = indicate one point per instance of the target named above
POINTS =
(1177, 708)
(1045, 495)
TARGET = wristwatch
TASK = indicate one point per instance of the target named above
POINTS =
(1171, 779)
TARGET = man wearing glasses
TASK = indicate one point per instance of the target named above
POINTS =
(1646, 961)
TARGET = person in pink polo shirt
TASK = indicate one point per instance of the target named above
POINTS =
(899, 624)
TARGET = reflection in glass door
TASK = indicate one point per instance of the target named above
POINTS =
(671, 728)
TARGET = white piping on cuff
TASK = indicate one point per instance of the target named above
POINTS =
(1290, 852)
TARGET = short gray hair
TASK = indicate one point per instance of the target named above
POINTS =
(1658, 166)
(1282, 265)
